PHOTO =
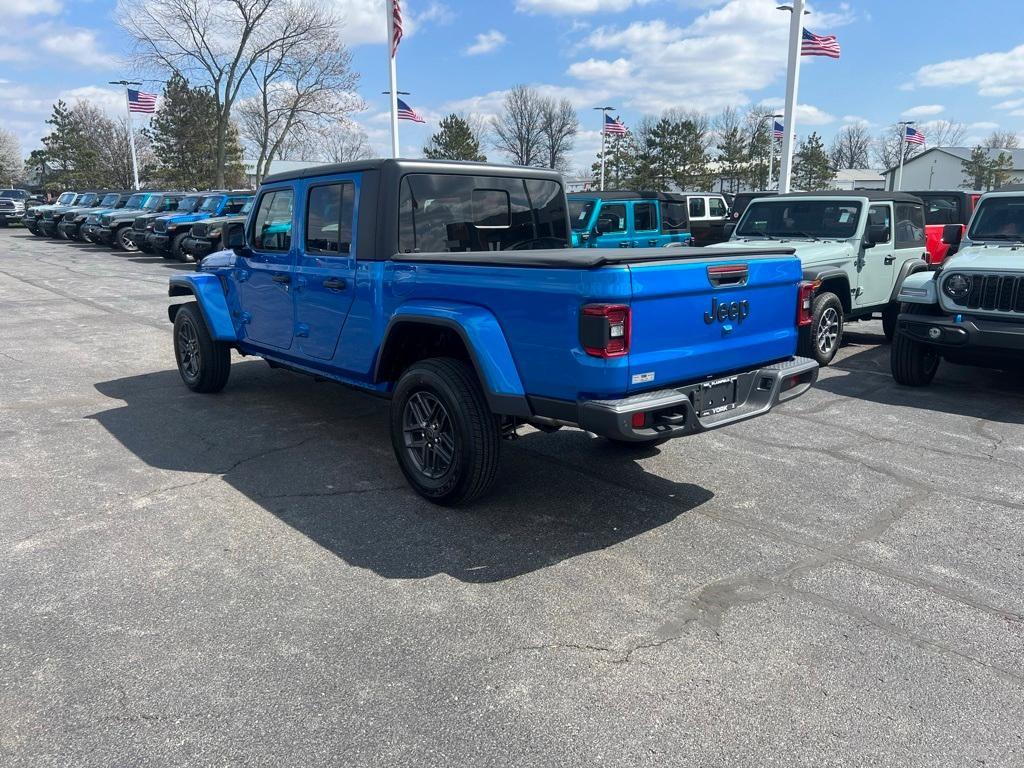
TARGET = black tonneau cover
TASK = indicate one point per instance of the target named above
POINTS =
(586, 258)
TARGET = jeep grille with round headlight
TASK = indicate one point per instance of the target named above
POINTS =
(984, 291)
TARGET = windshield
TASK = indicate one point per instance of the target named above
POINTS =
(833, 219)
(136, 201)
(579, 213)
(67, 198)
(1001, 218)
(248, 205)
(87, 199)
(109, 201)
(189, 204)
(210, 204)
(14, 194)
(941, 209)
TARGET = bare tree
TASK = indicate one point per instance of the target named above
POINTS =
(1002, 140)
(559, 126)
(301, 84)
(214, 43)
(11, 164)
(946, 133)
(518, 130)
(343, 142)
(851, 148)
(887, 145)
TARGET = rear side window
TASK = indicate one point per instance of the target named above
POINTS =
(272, 230)
(645, 217)
(697, 206)
(329, 219)
(441, 212)
(235, 205)
(943, 209)
(909, 225)
(673, 217)
(716, 206)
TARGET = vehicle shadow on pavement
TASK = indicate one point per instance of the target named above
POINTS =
(961, 390)
(319, 457)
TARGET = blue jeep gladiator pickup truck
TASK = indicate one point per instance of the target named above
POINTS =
(451, 288)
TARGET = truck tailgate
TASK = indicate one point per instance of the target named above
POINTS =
(692, 319)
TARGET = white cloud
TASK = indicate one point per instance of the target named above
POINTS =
(365, 21)
(806, 114)
(994, 74)
(924, 110)
(13, 53)
(31, 7)
(78, 45)
(487, 42)
(856, 120)
(571, 7)
(599, 70)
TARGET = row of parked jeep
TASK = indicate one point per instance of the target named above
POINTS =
(185, 226)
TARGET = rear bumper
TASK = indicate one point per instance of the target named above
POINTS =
(686, 410)
(945, 332)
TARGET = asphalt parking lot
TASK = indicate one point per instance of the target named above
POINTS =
(246, 578)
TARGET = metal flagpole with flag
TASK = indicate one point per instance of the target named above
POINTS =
(778, 132)
(394, 13)
(908, 135)
(136, 101)
(611, 126)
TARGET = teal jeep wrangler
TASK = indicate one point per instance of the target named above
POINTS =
(855, 247)
(970, 311)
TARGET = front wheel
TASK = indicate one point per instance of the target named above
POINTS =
(123, 239)
(821, 339)
(913, 363)
(889, 315)
(203, 362)
(445, 437)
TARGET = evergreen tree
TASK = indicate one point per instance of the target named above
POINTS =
(985, 171)
(733, 157)
(690, 153)
(66, 149)
(812, 168)
(454, 140)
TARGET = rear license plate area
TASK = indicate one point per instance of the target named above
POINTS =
(717, 396)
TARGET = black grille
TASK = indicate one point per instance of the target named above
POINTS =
(139, 225)
(159, 225)
(996, 293)
(200, 230)
(7, 205)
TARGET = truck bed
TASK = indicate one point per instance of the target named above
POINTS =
(587, 258)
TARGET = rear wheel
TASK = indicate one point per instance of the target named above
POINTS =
(445, 437)
(123, 239)
(203, 362)
(821, 339)
(913, 363)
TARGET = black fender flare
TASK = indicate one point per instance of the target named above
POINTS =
(908, 267)
(829, 274)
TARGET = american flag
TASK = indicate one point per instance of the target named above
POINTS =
(914, 136)
(396, 27)
(819, 45)
(405, 112)
(778, 130)
(140, 101)
(614, 125)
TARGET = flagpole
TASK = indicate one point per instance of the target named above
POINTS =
(604, 111)
(903, 138)
(796, 25)
(131, 130)
(771, 158)
(393, 76)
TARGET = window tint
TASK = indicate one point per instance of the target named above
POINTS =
(645, 217)
(800, 218)
(879, 216)
(273, 228)
(944, 209)
(235, 205)
(673, 217)
(909, 225)
(614, 215)
(696, 206)
(329, 219)
(439, 212)
(716, 206)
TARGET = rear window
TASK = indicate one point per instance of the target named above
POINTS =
(645, 217)
(448, 213)
(942, 209)
(716, 206)
(673, 217)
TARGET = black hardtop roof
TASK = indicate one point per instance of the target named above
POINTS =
(414, 166)
(964, 192)
(870, 194)
(640, 194)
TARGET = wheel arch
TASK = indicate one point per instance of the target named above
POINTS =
(213, 305)
(908, 268)
(835, 281)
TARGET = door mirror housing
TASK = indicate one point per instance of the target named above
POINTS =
(729, 229)
(952, 234)
(236, 240)
(877, 234)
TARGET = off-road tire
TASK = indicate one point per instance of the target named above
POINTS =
(144, 246)
(123, 240)
(212, 359)
(827, 310)
(474, 431)
(176, 249)
(889, 315)
(913, 363)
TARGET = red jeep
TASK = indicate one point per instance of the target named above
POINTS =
(941, 209)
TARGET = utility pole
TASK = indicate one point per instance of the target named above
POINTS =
(604, 111)
(131, 130)
(796, 28)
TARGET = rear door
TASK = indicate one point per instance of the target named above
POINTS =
(646, 225)
(264, 275)
(326, 270)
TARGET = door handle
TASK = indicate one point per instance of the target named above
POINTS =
(335, 284)
(652, 243)
(890, 259)
(623, 244)
(282, 277)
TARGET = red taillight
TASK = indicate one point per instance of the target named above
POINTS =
(605, 329)
(805, 302)
(639, 420)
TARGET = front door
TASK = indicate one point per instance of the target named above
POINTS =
(264, 276)
(325, 277)
(877, 265)
(612, 218)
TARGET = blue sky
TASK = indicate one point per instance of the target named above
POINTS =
(944, 60)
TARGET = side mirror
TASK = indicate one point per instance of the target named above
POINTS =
(952, 234)
(876, 235)
(603, 226)
(729, 229)
(236, 239)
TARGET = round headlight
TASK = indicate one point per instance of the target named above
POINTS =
(957, 287)
(213, 232)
